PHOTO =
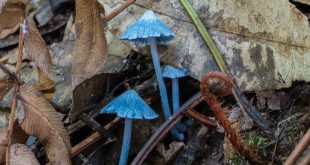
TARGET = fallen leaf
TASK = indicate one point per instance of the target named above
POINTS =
(36, 49)
(3, 143)
(46, 85)
(91, 91)
(6, 83)
(21, 155)
(91, 46)
(263, 48)
(38, 118)
(11, 15)
(18, 134)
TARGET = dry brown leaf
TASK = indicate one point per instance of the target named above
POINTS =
(38, 118)
(3, 143)
(91, 45)
(18, 134)
(21, 155)
(46, 86)
(6, 83)
(91, 91)
(35, 47)
(11, 16)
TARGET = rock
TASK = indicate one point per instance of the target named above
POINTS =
(264, 49)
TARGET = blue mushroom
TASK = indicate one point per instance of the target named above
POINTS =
(150, 30)
(130, 106)
(174, 74)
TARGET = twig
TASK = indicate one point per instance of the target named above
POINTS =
(95, 125)
(301, 146)
(14, 102)
(201, 118)
(93, 138)
(119, 9)
(242, 101)
(164, 129)
(305, 160)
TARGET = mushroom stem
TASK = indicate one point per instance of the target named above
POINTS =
(126, 141)
(176, 102)
(162, 86)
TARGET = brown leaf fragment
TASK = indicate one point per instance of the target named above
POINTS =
(3, 143)
(91, 91)
(11, 16)
(46, 85)
(21, 155)
(38, 118)
(91, 45)
(36, 49)
(6, 83)
(18, 134)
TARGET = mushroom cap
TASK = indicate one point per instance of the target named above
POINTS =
(173, 72)
(130, 105)
(146, 27)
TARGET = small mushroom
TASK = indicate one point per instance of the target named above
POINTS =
(130, 106)
(150, 30)
(174, 74)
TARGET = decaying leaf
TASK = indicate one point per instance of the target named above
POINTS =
(3, 143)
(6, 83)
(38, 118)
(264, 43)
(11, 15)
(46, 86)
(35, 47)
(91, 45)
(21, 155)
(18, 134)
(92, 90)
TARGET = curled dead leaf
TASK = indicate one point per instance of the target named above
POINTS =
(11, 15)
(36, 49)
(91, 46)
(3, 143)
(38, 118)
(21, 155)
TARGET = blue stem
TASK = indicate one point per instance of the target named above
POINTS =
(162, 87)
(176, 102)
(126, 142)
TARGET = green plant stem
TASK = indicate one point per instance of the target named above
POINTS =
(206, 37)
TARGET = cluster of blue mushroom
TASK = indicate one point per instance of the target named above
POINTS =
(129, 105)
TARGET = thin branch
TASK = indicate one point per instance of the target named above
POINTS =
(200, 117)
(165, 128)
(14, 102)
(301, 146)
(93, 138)
(119, 9)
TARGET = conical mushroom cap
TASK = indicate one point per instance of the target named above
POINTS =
(173, 72)
(146, 27)
(130, 105)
